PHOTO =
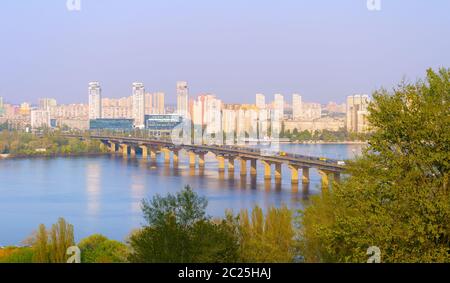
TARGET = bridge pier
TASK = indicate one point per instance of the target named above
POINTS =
(253, 169)
(278, 171)
(133, 151)
(294, 174)
(124, 149)
(305, 175)
(166, 153)
(221, 165)
(192, 158)
(243, 167)
(267, 170)
(201, 160)
(144, 151)
(325, 179)
(112, 147)
(231, 167)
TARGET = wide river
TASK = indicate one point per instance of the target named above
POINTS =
(104, 194)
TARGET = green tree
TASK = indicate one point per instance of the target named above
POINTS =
(62, 237)
(267, 238)
(99, 249)
(41, 247)
(397, 195)
(179, 231)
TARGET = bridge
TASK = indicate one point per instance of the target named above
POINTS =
(227, 156)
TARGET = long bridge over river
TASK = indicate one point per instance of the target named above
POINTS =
(227, 156)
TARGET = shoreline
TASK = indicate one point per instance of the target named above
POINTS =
(55, 155)
(325, 142)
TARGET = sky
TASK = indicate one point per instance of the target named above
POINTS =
(323, 49)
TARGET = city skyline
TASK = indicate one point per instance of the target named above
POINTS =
(320, 49)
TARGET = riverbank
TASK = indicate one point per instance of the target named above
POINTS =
(53, 155)
(328, 142)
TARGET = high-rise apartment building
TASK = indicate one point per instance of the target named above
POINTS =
(297, 107)
(278, 103)
(212, 119)
(182, 99)
(138, 98)
(148, 103)
(260, 101)
(357, 113)
(47, 103)
(95, 100)
(158, 103)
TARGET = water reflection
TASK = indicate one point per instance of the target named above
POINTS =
(93, 188)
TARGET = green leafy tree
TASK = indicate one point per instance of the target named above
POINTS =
(267, 238)
(61, 238)
(179, 231)
(41, 247)
(99, 249)
(397, 195)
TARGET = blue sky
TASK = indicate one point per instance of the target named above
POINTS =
(324, 50)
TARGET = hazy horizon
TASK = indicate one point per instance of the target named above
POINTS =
(323, 50)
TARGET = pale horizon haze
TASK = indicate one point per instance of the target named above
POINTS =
(324, 50)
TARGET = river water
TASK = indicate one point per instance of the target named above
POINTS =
(103, 194)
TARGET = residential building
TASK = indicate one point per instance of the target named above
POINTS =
(297, 107)
(182, 99)
(138, 98)
(40, 118)
(356, 120)
(260, 101)
(95, 100)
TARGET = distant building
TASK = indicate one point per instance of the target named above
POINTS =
(95, 100)
(70, 111)
(297, 107)
(121, 108)
(320, 124)
(333, 107)
(111, 124)
(278, 104)
(182, 99)
(162, 124)
(356, 121)
(260, 101)
(47, 103)
(148, 103)
(311, 111)
(138, 105)
(25, 109)
(40, 119)
(158, 103)
(77, 124)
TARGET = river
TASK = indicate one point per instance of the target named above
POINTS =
(103, 194)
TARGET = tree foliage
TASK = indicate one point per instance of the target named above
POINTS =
(179, 231)
(51, 246)
(99, 249)
(397, 195)
(267, 238)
